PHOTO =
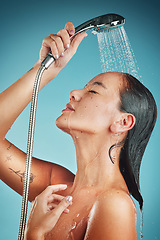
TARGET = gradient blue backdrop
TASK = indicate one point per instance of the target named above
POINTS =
(23, 27)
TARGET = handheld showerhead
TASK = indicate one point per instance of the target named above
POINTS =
(102, 23)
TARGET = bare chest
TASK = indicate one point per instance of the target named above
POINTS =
(72, 226)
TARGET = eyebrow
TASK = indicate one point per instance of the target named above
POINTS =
(98, 83)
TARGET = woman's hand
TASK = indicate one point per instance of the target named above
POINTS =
(62, 46)
(45, 212)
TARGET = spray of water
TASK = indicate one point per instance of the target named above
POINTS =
(116, 53)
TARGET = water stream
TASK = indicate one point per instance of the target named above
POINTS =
(116, 53)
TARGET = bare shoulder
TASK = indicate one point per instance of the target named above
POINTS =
(116, 200)
(113, 216)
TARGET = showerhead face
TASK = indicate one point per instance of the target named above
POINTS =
(102, 23)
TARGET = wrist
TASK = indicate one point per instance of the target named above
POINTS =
(50, 73)
(34, 234)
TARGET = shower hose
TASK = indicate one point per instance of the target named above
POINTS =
(44, 65)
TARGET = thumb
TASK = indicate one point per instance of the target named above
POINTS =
(67, 201)
(70, 28)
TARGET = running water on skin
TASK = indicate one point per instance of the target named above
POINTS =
(116, 53)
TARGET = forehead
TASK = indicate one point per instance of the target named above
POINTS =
(110, 80)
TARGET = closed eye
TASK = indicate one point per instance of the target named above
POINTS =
(92, 91)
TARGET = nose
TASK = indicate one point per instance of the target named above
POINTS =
(76, 95)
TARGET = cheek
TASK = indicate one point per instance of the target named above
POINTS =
(87, 109)
(91, 116)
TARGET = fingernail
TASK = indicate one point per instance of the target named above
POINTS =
(57, 56)
(66, 210)
(69, 199)
(62, 54)
(71, 31)
(67, 46)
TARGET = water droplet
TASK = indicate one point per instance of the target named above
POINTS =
(74, 225)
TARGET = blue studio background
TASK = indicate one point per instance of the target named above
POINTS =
(24, 24)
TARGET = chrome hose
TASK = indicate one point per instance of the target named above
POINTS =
(29, 152)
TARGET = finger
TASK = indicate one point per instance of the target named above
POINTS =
(50, 190)
(55, 198)
(48, 45)
(78, 39)
(45, 49)
(58, 43)
(65, 37)
(67, 201)
(70, 28)
(53, 206)
(57, 187)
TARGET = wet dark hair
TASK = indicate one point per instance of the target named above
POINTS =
(137, 100)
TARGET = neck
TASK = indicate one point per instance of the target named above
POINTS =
(94, 166)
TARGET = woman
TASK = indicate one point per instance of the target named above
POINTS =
(110, 121)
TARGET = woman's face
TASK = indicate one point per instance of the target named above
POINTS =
(95, 107)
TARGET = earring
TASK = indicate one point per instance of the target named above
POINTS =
(114, 146)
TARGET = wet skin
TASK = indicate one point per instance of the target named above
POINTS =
(88, 118)
(93, 105)
(93, 125)
(73, 225)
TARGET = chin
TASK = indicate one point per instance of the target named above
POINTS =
(68, 124)
(62, 123)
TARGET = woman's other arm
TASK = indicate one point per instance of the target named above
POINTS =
(45, 212)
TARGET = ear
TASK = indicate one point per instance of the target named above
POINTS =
(126, 123)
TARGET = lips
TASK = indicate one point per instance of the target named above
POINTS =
(68, 108)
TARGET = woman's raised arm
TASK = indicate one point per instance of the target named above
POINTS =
(14, 100)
